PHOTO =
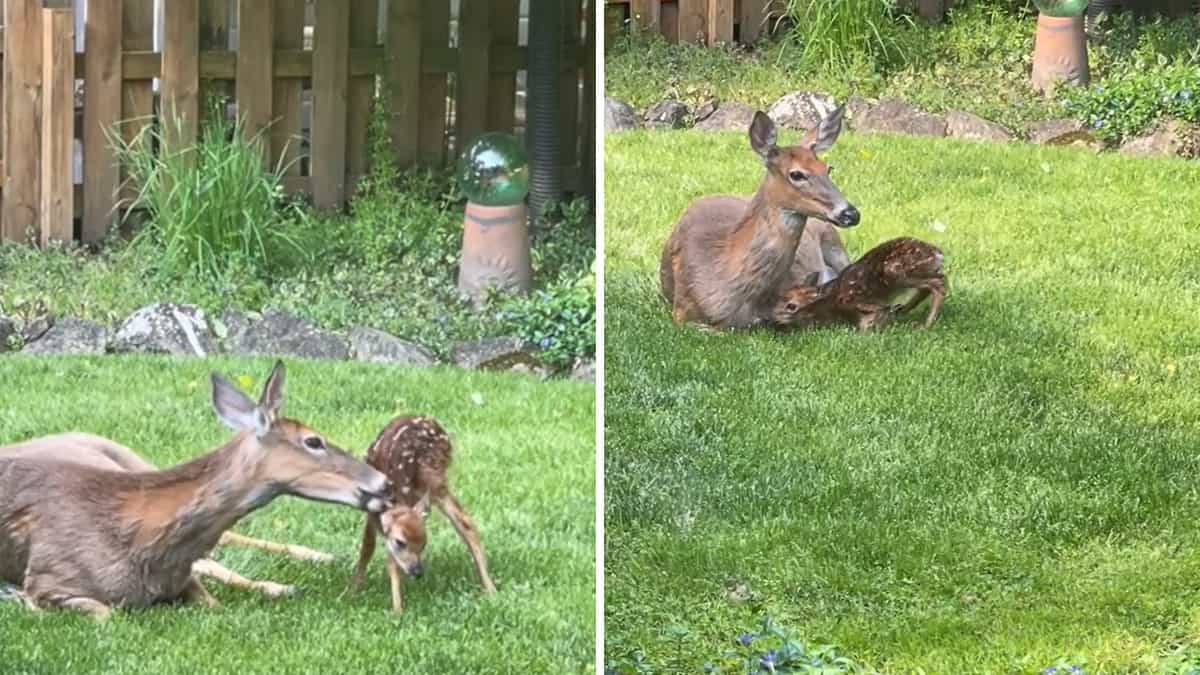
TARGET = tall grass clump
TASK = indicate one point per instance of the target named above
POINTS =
(211, 207)
(834, 33)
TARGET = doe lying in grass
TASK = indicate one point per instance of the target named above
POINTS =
(726, 258)
(90, 539)
(414, 453)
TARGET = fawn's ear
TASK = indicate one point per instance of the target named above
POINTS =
(271, 401)
(235, 409)
(762, 135)
(822, 137)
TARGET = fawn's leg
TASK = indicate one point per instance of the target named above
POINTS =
(915, 300)
(463, 524)
(937, 289)
(397, 578)
(364, 553)
(214, 570)
(93, 608)
(299, 552)
(872, 316)
(197, 593)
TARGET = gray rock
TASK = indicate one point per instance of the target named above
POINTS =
(893, 116)
(800, 110)
(669, 114)
(973, 127)
(729, 116)
(619, 116)
(376, 346)
(856, 108)
(165, 328)
(1057, 132)
(1171, 138)
(706, 109)
(8, 329)
(279, 333)
(585, 369)
(70, 336)
(35, 328)
(496, 353)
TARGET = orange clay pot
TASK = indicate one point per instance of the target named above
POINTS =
(1059, 52)
(495, 249)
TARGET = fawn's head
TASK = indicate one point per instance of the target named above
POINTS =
(793, 304)
(797, 180)
(290, 457)
(404, 532)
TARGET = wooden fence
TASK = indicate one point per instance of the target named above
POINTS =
(307, 69)
(715, 22)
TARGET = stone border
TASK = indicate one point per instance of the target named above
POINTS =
(185, 330)
(802, 110)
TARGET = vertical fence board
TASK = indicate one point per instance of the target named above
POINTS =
(180, 73)
(364, 32)
(331, 70)
(22, 89)
(214, 36)
(645, 15)
(569, 83)
(752, 20)
(137, 96)
(720, 21)
(286, 130)
(502, 89)
(693, 20)
(404, 77)
(431, 146)
(471, 88)
(101, 114)
(255, 67)
(58, 125)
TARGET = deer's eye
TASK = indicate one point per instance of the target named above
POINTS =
(400, 544)
(791, 307)
(314, 443)
(797, 176)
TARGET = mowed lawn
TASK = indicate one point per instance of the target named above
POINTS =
(524, 468)
(1015, 488)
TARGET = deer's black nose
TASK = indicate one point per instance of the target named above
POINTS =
(847, 217)
(416, 571)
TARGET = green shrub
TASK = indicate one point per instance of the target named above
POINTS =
(560, 319)
(213, 211)
(835, 32)
(1129, 102)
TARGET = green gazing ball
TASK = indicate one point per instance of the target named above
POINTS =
(1061, 8)
(494, 170)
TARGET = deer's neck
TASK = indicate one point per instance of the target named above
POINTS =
(181, 512)
(771, 240)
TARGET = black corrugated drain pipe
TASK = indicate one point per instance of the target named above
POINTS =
(543, 126)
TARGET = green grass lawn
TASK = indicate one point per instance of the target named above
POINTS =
(524, 468)
(1013, 489)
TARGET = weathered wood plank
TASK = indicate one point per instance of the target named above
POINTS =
(472, 84)
(720, 21)
(137, 95)
(19, 220)
(645, 15)
(331, 69)
(58, 126)
(404, 42)
(502, 89)
(180, 73)
(364, 33)
(752, 20)
(214, 36)
(435, 25)
(693, 21)
(287, 128)
(101, 115)
(255, 67)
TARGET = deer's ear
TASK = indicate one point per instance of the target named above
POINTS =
(762, 135)
(233, 408)
(823, 136)
(271, 401)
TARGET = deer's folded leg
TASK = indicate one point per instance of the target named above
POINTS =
(214, 570)
(292, 550)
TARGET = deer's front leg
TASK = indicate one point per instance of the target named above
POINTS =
(195, 592)
(397, 578)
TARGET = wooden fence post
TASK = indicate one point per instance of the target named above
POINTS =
(180, 75)
(255, 70)
(434, 31)
(101, 115)
(404, 77)
(58, 123)
(502, 89)
(286, 131)
(474, 47)
(752, 20)
(137, 96)
(19, 219)
(693, 21)
(364, 32)
(720, 21)
(331, 74)
(645, 15)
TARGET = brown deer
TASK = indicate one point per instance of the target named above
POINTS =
(726, 258)
(104, 454)
(414, 453)
(864, 292)
(91, 539)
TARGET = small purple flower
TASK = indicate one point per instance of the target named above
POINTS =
(709, 668)
(768, 660)
(745, 639)
(1098, 124)
(1185, 94)
(546, 342)
(1050, 671)
(1075, 670)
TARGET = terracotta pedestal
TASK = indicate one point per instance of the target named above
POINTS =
(495, 249)
(1059, 52)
